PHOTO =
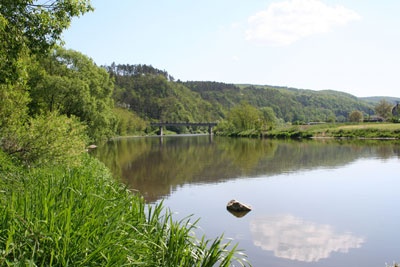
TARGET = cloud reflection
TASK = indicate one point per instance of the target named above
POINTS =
(295, 239)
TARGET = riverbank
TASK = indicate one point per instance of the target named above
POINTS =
(81, 216)
(335, 130)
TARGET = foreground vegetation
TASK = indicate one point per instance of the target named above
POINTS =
(59, 207)
(81, 217)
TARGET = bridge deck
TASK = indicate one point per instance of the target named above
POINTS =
(160, 124)
(210, 125)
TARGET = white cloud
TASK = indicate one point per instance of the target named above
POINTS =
(292, 238)
(235, 58)
(283, 23)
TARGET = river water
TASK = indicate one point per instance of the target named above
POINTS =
(314, 203)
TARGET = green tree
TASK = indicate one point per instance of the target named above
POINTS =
(13, 114)
(384, 109)
(331, 118)
(268, 117)
(27, 27)
(70, 83)
(14, 98)
(34, 26)
(153, 95)
(128, 123)
(245, 117)
(356, 116)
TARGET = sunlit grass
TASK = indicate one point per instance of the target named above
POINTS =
(333, 130)
(380, 126)
(82, 217)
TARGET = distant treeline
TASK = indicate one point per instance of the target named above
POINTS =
(155, 95)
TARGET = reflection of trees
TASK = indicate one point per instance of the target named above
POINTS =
(295, 239)
(118, 153)
(155, 168)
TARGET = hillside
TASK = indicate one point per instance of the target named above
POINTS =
(155, 95)
(289, 104)
(375, 99)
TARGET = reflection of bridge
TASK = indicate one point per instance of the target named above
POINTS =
(210, 125)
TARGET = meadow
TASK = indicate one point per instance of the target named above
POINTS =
(338, 130)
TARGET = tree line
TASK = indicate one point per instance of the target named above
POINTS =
(153, 96)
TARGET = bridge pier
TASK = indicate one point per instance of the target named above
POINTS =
(210, 130)
(160, 133)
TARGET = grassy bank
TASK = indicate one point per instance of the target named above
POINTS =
(80, 216)
(362, 130)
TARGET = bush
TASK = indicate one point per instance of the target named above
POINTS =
(51, 139)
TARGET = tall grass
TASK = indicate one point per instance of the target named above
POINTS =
(82, 217)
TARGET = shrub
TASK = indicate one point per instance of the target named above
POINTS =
(51, 139)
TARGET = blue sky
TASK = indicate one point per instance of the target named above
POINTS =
(346, 45)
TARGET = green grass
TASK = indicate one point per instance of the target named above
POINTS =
(361, 130)
(82, 217)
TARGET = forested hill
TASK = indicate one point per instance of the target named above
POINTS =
(155, 95)
(289, 104)
(375, 99)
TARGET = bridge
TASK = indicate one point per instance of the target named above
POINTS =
(210, 125)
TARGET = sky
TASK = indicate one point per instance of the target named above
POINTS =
(351, 46)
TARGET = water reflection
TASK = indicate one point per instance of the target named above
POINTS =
(238, 214)
(156, 168)
(292, 238)
(345, 185)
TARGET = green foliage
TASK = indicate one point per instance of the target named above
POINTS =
(128, 123)
(13, 113)
(246, 120)
(373, 133)
(269, 117)
(290, 132)
(72, 84)
(356, 116)
(245, 117)
(32, 25)
(153, 95)
(51, 139)
(27, 29)
(14, 98)
(375, 99)
(326, 130)
(384, 109)
(81, 217)
(7, 164)
(225, 127)
(289, 104)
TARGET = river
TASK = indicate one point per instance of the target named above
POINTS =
(314, 203)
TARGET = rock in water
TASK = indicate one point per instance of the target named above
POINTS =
(235, 205)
